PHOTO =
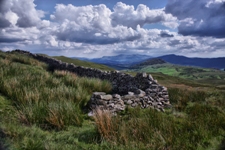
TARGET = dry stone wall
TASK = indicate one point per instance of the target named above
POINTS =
(141, 90)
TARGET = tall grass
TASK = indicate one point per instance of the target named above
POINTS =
(45, 99)
(103, 120)
(191, 124)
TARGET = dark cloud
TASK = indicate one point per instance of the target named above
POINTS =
(10, 40)
(174, 42)
(165, 34)
(200, 18)
(25, 22)
(90, 38)
(3, 22)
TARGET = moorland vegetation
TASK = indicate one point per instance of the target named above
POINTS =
(41, 109)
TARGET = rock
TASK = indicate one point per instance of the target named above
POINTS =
(130, 93)
(100, 102)
(99, 93)
(150, 77)
(129, 102)
(127, 97)
(139, 92)
(160, 99)
(134, 105)
(137, 100)
(111, 105)
(106, 97)
(116, 96)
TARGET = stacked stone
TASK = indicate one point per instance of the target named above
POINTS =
(103, 101)
(156, 98)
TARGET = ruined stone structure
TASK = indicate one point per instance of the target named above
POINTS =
(141, 90)
(155, 97)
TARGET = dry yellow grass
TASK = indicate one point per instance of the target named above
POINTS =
(103, 120)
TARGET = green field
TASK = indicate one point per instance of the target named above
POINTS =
(201, 75)
(41, 110)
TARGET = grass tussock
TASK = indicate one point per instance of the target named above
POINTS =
(103, 121)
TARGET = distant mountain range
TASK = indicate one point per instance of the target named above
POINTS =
(126, 61)
(120, 61)
(217, 63)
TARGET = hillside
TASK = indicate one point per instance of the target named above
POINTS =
(46, 110)
(83, 63)
(202, 75)
(218, 63)
(148, 62)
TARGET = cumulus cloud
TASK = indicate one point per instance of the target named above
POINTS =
(90, 24)
(21, 13)
(200, 18)
(99, 25)
(97, 30)
(126, 15)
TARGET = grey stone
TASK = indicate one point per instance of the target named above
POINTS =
(134, 105)
(131, 93)
(99, 93)
(129, 102)
(106, 97)
(127, 97)
(116, 96)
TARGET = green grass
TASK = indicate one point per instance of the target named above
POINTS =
(201, 75)
(46, 110)
(84, 63)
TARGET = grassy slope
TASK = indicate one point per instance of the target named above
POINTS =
(43, 110)
(83, 63)
(201, 75)
(36, 103)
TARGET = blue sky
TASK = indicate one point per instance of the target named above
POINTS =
(95, 28)
(49, 7)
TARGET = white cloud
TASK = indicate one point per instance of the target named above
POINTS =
(126, 15)
(22, 13)
(90, 24)
(11, 17)
(96, 30)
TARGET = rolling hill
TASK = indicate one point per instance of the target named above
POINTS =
(125, 61)
(218, 63)
(149, 62)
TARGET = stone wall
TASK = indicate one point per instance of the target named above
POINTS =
(154, 95)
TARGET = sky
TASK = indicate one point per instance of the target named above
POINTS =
(96, 28)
